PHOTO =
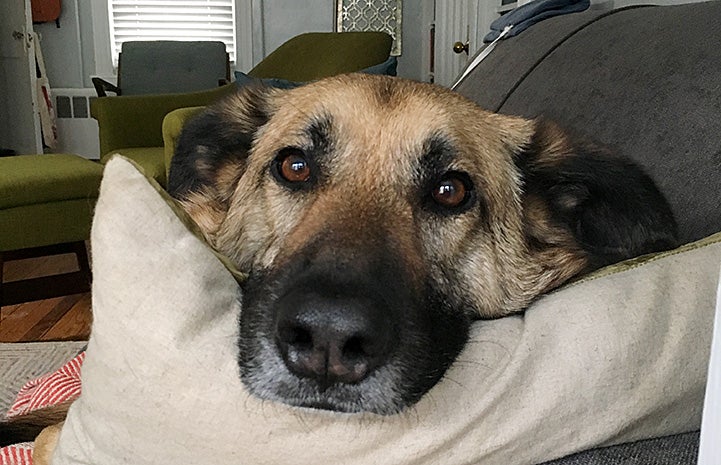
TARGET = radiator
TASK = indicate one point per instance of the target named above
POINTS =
(77, 131)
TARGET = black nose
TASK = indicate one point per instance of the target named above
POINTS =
(332, 339)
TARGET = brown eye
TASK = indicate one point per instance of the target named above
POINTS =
(452, 191)
(293, 167)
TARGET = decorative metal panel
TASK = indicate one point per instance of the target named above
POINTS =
(371, 15)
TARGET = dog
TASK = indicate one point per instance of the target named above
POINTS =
(377, 218)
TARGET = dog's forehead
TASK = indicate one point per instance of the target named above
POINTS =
(371, 107)
(382, 120)
(377, 130)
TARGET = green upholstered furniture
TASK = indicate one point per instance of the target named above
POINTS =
(172, 126)
(132, 125)
(315, 55)
(46, 207)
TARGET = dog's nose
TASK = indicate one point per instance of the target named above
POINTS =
(332, 339)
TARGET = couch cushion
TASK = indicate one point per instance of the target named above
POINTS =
(669, 450)
(616, 357)
(35, 179)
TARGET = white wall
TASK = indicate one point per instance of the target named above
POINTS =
(414, 63)
(283, 19)
(68, 50)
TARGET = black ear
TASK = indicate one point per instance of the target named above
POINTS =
(211, 154)
(217, 139)
(606, 203)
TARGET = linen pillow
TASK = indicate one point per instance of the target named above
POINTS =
(613, 358)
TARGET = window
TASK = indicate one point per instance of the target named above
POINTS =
(171, 20)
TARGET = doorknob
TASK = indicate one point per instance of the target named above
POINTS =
(460, 47)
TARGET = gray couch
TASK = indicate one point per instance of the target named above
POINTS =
(645, 81)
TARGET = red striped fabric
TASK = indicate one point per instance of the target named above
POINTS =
(18, 454)
(54, 388)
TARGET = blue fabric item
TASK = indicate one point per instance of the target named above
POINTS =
(529, 14)
(242, 80)
(388, 68)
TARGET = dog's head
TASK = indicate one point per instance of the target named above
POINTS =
(378, 217)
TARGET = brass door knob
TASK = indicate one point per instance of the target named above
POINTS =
(460, 47)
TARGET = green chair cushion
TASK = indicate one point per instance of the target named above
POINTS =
(35, 179)
(151, 161)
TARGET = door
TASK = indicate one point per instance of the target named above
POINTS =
(459, 29)
(19, 117)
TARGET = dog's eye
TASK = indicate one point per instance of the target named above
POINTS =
(452, 191)
(291, 166)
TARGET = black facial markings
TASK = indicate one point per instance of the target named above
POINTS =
(421, 319)
(434, 169)
(316, 152)
(611, 206)
(320, 134)
(220, 134)
(438, 155)
(385, 91)
(294, 169)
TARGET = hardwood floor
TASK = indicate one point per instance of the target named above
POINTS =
(61, 318)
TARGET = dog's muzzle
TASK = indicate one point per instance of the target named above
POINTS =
(347, 330)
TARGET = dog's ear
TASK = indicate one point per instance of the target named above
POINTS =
(584, 203)
(211, 154)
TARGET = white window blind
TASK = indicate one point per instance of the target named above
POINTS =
(172, 20)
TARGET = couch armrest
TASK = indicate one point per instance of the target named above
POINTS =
(137, 120)
(172, 126)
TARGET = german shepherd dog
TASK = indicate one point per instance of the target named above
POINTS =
(377, 218)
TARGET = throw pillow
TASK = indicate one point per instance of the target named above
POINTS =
(616, 357)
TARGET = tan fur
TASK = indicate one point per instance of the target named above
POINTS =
(45, 444)
(378, 131)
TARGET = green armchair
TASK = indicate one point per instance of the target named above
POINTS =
(133, 125)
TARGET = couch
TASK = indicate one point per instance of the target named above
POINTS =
(645, 81)
(132, 124)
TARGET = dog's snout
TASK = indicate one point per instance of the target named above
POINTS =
(332, 339)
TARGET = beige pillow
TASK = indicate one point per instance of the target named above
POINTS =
(614, 358)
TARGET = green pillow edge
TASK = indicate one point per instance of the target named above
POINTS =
(637, 262)
(187, 221)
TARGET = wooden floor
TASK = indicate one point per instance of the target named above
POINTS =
(62, 318)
